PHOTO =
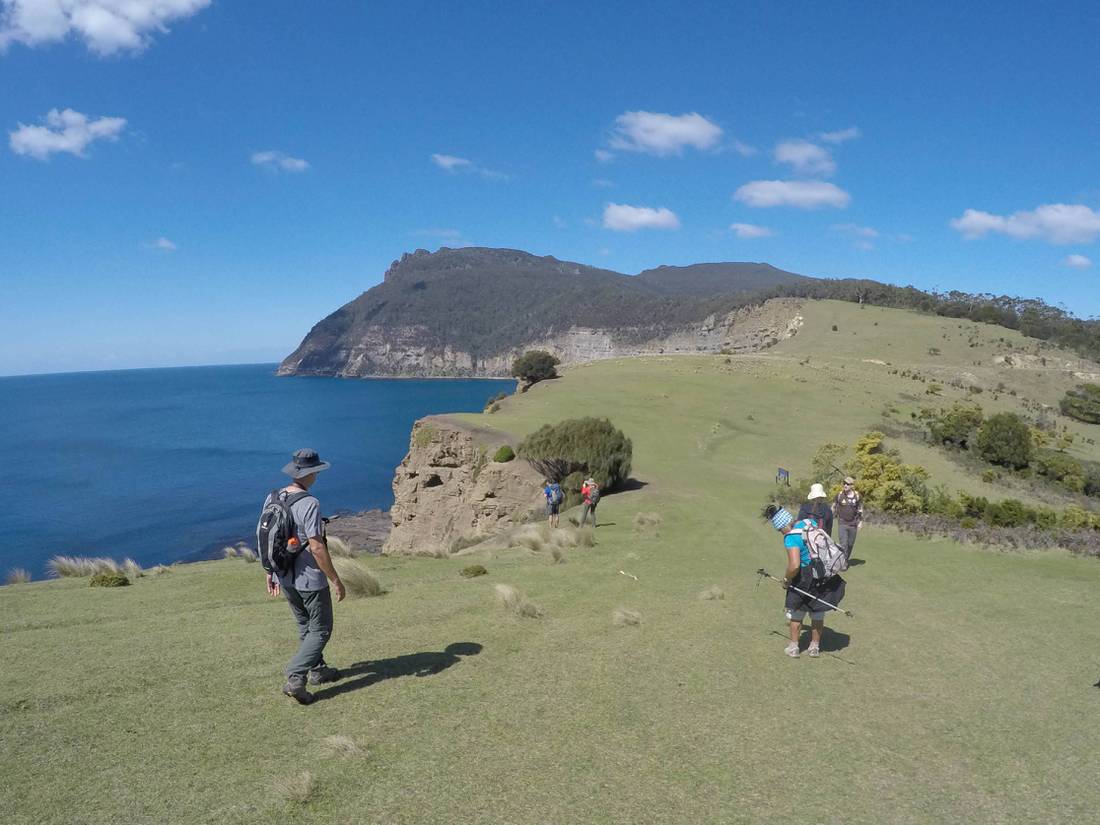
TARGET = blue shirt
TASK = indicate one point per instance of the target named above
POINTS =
(794, 539)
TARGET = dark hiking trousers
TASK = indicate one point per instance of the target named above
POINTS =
(312, 611)
(588, 508)
(846, 538)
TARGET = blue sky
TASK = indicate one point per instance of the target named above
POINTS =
(187, 182)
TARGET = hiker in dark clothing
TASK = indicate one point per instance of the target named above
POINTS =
(306, 583)
(799, 575)
(816, 506)
(554, 497)
(848, 508)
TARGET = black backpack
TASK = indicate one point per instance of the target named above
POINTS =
(274, 531)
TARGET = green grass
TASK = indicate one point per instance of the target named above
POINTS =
(961, 691)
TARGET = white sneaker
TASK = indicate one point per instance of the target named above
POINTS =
(791, 650)
(814, 651)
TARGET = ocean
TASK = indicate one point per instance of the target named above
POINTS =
(164, 465)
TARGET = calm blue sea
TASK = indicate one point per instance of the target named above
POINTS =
(171, 464)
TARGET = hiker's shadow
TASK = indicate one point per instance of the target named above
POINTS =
(856, 562)
(428, 663)
(831, 640)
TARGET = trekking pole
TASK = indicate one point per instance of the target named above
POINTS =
(764, 574)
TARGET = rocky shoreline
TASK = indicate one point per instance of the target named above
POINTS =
(363, 532)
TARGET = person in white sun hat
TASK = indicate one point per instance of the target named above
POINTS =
(816, 506)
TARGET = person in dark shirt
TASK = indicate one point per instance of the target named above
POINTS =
(848, 507)
(816, 506)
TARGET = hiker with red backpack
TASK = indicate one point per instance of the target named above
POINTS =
(290, 538)
(812, 578)
(590, 493)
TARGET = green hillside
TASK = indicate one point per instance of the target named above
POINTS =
(962, 689)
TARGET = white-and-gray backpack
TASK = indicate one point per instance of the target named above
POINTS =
(274, 531)
(827, 559)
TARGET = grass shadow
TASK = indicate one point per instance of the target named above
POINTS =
(427, 663)
(856, 562)
(628, 486)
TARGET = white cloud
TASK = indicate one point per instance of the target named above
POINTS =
(1076, 261)
(1057, 223)
(751, 230)
(805, 158)
(623, 218)
(65, 131)
(853, 230)
(105, 26)
(841, 135)
(660, 134)
(604, 156)
(279, 161)
(450, 163)
(164, 244)
(453, 165)
(743, 149)
(802, 194)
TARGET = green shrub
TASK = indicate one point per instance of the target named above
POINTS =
(1005, 439)
(579, 446)
(989, 476)
(884, 481)
(109, 578)
(955, 426)
(473, 570)
(504, 454)
(1062, 468)
(973, 506)
(1008, 513)
(534, 366)
(1082, 403)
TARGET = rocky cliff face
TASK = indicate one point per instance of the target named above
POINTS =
(448, 487)
(470, 312)
(403, 351)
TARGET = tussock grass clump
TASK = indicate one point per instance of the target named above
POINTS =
(341, 746)
(109, 578)
(621, 617)
(463, 542)
(298, 789)
(247, 553)
(514, 601)
(132, 569)
(473, 571)
(711, 594)
(160, 569)
(338, 548)
(647, 522)
(17, 575)
(558, 555)
(80, 566)
(229, 552)
(358, 580)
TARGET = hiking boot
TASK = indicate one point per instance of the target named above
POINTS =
(295, 688)
(813, 651)
(791, 650)
(322, 674)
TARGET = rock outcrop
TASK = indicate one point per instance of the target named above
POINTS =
(448, 488)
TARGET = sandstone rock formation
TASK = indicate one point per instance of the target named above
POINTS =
(449, 488)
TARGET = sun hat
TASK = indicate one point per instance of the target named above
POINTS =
(305, 462)
(849, 480)
(782, 519)
(816, 491)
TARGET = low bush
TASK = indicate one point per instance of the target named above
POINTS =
(514, 601)
(1082, 403)
(504, 454)
(473, 571)
(358, 581)
(579, 445)
(621, 617)
(954, 427)
(1063, 469)
(1005, 439)
(109, 578)
(17, 575)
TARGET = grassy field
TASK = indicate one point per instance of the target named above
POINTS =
(962, 690)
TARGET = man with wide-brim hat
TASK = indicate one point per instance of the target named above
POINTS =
(848, 507)
(306, 583)
(816, 506)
